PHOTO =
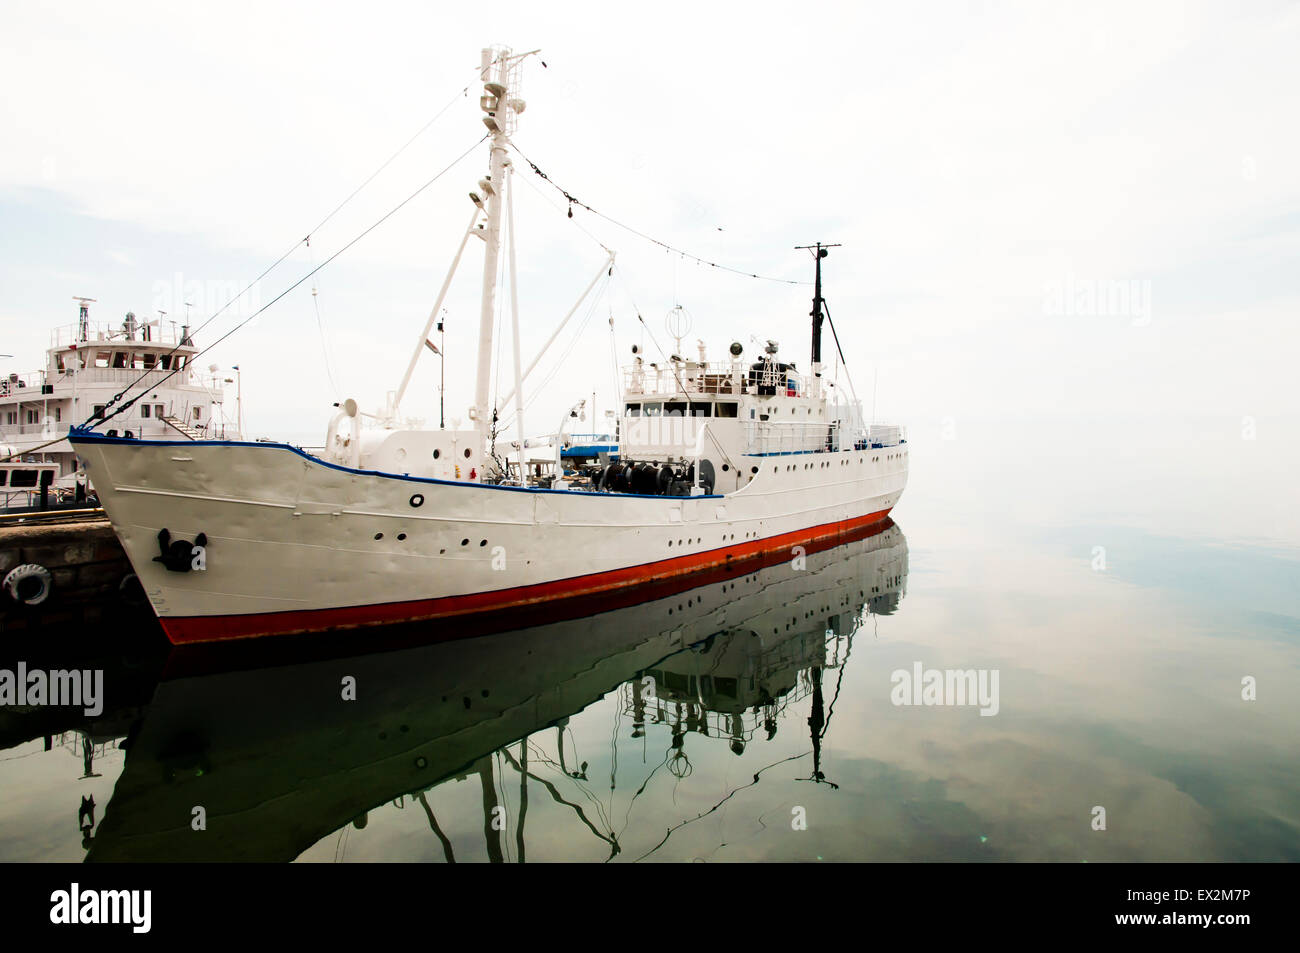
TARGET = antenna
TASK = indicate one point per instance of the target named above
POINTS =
(83, 318)
(678, 322)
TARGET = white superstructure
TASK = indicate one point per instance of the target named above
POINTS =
(87, 364)
(719, 462)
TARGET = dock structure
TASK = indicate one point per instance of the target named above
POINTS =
(63, 567)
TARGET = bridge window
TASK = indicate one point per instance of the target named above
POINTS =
(726, 409)
(633, 410)
(700, 410)
(654, 410)
(103, 358)
(675, 408)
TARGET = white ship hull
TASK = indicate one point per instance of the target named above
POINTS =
(296, 544)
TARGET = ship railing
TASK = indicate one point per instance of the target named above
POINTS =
(22, 384)
(123, 375)
(98, 332)
(38, 428)
(770, 438)
(689, 377)
(645, 380)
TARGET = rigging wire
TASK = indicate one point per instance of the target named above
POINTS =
(463, 92)
(573, 200)
(507, 422)
(847, 375)
(387, 215)
(320, 324)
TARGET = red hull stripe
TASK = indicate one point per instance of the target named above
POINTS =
(218, 628)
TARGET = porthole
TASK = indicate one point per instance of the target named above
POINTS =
(464, 542)
(467, 453)
(379, 536)
(417, 499)
(753, 470)
(436, 453)
(482, 542)
(401, 536)
(725, 468)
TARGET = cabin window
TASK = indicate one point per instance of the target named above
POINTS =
(99, 410)
(634, 410)
(33, 417)
(675, 408)
(144, 410)
(700, 410)
(166, 362)
(726, 409)
(159, 411)
(119, 358)
(58, 363)
(11, 417)
(58, 414)
(103, 358)
(22, 478)
(4, 477)
(654, 410)
(198, 413)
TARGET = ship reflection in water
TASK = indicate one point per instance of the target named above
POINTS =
(477, 740)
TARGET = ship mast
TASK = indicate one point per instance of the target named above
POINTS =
(501, 73)
(819, 251)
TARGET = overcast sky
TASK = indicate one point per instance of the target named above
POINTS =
(996, 173)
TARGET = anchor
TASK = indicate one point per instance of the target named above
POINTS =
(179, 555)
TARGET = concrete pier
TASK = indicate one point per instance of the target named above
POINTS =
(89, 575)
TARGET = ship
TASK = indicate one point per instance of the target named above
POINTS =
(718, 462)
(87, 365)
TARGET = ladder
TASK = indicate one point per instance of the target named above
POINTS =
(183, 427)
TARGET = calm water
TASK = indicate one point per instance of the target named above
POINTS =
(1119, 579)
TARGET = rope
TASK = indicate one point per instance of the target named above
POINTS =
(573, 200)
(320, 324)
(39, 446)
(120, 394)
(383, 219)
